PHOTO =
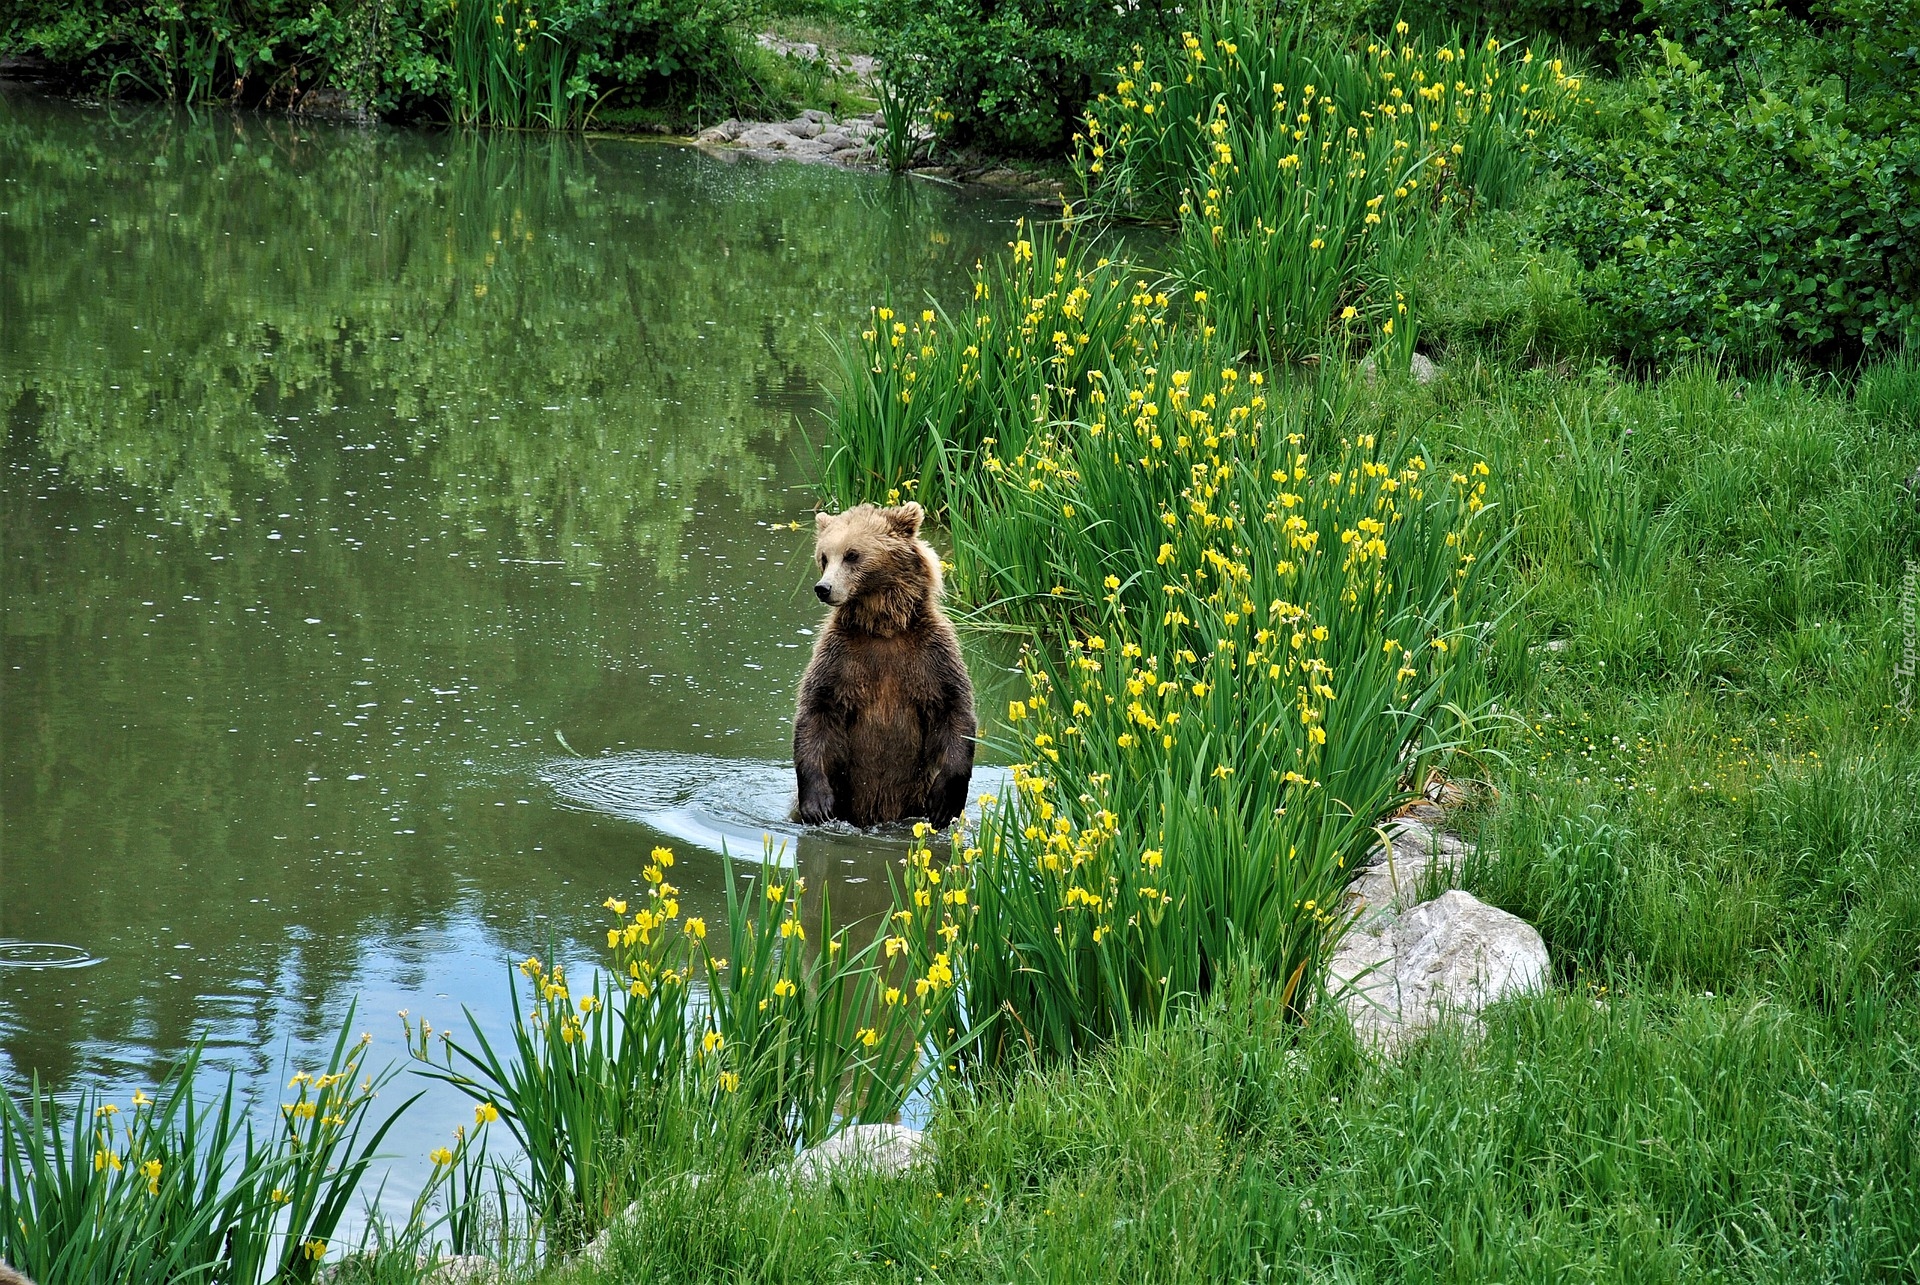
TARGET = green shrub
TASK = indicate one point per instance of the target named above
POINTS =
(380, 54)
(1014, 73)
(506, 62)
(1579, 24)
(1770, 210)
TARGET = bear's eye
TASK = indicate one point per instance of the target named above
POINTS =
(823, 562)
(852, 556)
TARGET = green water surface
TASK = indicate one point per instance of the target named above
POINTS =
(343, 469)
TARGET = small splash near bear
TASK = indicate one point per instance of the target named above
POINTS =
(885, 729)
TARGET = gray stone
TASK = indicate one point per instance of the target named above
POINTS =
(1400, 969)
(804, 49)
(1422, 368)
(805, 127)
(765, 138)
(887, 1149)
(466, 1269)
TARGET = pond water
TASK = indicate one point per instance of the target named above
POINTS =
(346, 472)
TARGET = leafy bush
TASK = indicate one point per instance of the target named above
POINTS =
(1014, 73)
(509, 62)
(380, 54)
(1580, 24)
(1767, 211)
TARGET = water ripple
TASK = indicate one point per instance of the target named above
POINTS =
(721, 805)
(44, 954)
(718, 804)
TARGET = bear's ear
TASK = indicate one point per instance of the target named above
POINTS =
(821, 519)
(905, 520)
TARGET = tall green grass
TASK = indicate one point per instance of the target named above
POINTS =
(1308, 175)
(176, 1188)
(510, 67)
(676, 1059)
(1261, 618)
(920, 395)
(1700, 791)
(1642, 1139)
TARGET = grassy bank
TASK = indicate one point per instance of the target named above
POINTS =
(1702, 794)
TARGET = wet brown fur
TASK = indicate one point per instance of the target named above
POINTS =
(885, 728)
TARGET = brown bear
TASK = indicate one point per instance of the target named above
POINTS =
(885, 727)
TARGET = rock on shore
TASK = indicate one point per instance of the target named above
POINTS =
(813, 135)
(1405, 965)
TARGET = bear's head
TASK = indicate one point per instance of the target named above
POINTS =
(873, 561)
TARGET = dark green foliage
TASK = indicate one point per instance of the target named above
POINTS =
(1582, 24)
(516, 62)
(1593, 27)
(1014, 73)
(376, 51)
(674, 50)
(1767, 209)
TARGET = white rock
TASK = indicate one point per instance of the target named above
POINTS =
(595, 1253)
(1422, 368)
(1398, 972)
(1392, 879)
(466, 1269)
(887, 1149)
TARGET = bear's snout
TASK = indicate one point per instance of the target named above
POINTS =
(823, 591)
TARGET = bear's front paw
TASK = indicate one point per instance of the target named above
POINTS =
(817, 810)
